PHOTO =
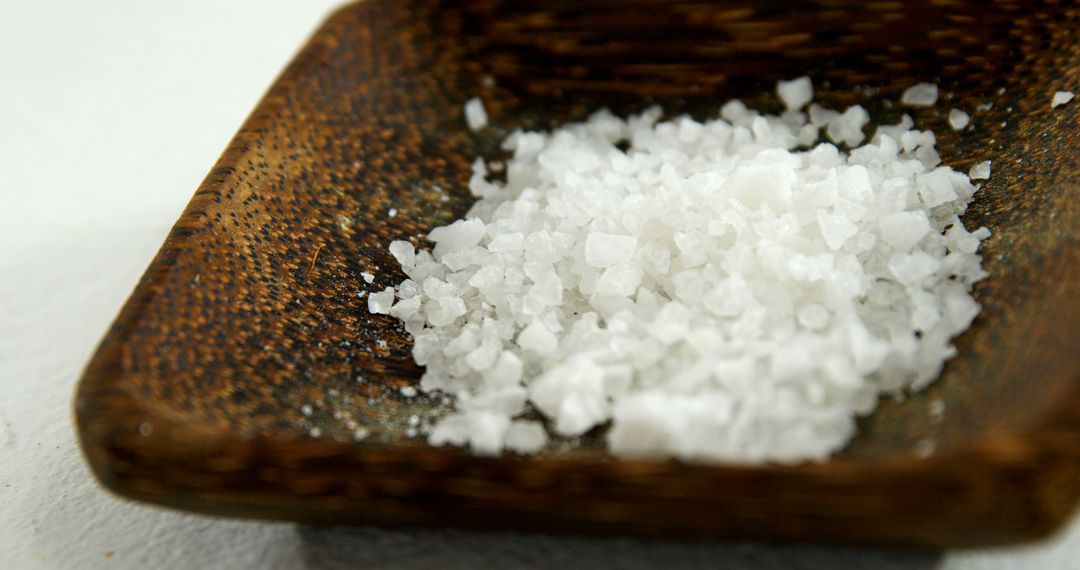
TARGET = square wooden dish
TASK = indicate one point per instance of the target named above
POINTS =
(235, 377)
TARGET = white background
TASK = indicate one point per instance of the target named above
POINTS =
(111, 112)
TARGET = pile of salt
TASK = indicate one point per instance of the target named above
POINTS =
(726, 290)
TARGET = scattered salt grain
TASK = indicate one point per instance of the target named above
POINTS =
(392, 212)
(368, 277)
(958, 119)
(795, 93)
(408, 391)
(920, 95)
(728, 289)
(980, 171)
(475, 114)
(1060, 98)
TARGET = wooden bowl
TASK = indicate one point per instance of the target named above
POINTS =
(235, 377)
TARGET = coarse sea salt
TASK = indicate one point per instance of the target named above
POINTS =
(958, 120)
(920, 95)
(727, 290)
(1060, 98)
(475, 114)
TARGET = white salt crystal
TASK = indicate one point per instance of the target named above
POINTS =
(936, 188)
(526, 437)
(980, 171)
(795, 93)
(618, 281)
(507, 400)
(1060, 98)
(368, 277)
(605, 250)
(475, 115)
(920, 95)
(380, 303)
(482, 430)
(573, 394)
(672, 324)
(820, 116)
(958, 119)
(483, 357)
(835, 229)
(457, 236)
(538, 339)
(847, 127)
(506, 372)
(813, 316)
(445, 311)
(404, 253)
(734, 111)
(903, 230)
(913, 268)
(408, 391)
(503, 243)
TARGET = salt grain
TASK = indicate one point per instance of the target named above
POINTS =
(980, 171)
(958, 119)
(525, 437)
(380, 303)
(795, 93)
(475, 114)
(920, 95)
(727, 289)
(1061, 98)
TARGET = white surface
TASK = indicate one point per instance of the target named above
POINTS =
(111, 112)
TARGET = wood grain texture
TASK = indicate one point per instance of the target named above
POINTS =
(195, 398)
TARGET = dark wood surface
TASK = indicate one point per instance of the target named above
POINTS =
(250, 310)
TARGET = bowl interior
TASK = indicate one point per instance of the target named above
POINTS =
(256, 326)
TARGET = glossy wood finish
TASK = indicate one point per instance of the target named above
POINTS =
(250, 312)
